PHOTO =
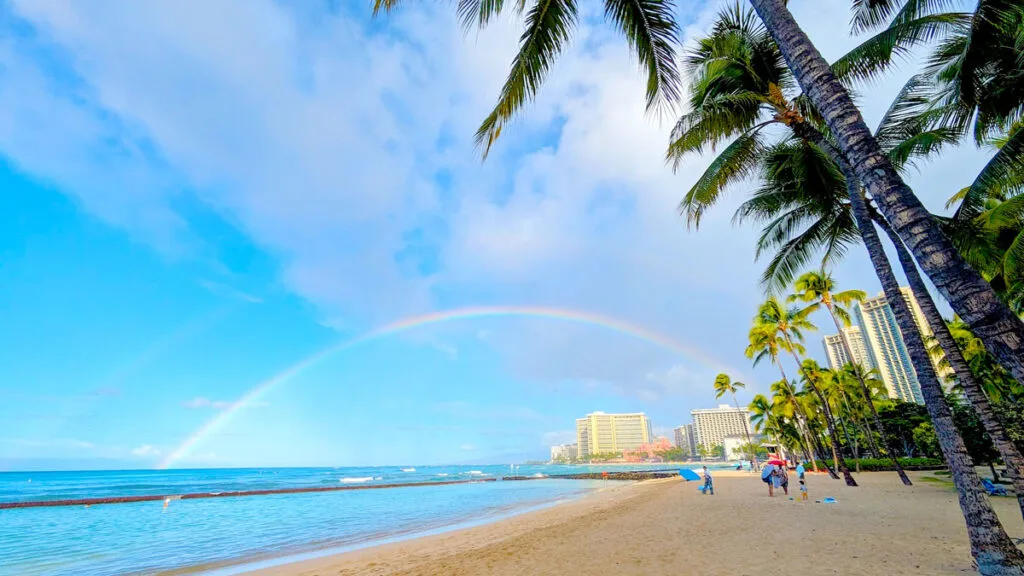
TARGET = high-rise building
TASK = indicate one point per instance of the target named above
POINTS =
(927, 333)
(564, 452)
(836, 351)
(684, 438)
(712, 425)
(600, 433)
(887, 350)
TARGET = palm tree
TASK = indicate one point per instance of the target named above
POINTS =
(848, 381)
(989, 544)
(965, 290)
(817, 288)
(789, 325)
(995, 382)
(803, 185)
(725, 385)
(764, 342)
(648, 25)
(992, 549)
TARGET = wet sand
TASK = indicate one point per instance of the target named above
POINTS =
(669, 527)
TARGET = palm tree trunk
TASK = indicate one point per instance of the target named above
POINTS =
(993, 551)
(972, 389)
(846, 434)
(800, 415)
(837, 456)
(863, 385)
(967, 292)
(746, 430)
(807, 132)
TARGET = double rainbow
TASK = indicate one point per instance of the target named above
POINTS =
(228, 414)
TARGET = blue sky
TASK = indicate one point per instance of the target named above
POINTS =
(197, 196)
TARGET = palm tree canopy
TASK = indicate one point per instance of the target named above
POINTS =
(739, 85)
(816, 287)
(726, 385)
(649, 26)
(738, 79)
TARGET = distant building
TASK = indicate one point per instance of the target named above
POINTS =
(684, 438)
(836, 351)
(927, 333)
(600, 433)
(888, 351)
(712, 425)
(648, 452)
(564, 452)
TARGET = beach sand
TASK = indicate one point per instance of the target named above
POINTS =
(669, 527)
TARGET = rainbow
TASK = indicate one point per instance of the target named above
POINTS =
(224, 417)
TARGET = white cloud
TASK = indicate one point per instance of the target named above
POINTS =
(325, 144)
(145, 450)
(467, 447)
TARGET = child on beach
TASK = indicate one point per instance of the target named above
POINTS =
(803, 490)
(708, 484)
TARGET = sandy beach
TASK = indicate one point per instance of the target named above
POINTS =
(669, 527)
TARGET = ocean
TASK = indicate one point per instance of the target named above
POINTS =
(145, 537)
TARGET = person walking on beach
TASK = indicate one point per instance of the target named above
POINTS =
(709, 485)
(784, 479)
(800, 471)
(803, 491)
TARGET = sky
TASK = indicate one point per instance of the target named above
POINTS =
(202, 199)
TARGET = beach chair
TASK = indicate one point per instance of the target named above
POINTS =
(992, 489)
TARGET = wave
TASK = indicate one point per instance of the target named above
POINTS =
(442, 474)
(476, 473)
(349, 480)
(408, 469)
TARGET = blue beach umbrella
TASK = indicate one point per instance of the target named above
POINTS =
(688, 474)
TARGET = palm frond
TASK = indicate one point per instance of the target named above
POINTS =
(737, 161)
(478, 13)
(1007, 165)
(549, 24)
(650, 29)
(385, 6)
(875, 55)
(871, 14)
(716, 120)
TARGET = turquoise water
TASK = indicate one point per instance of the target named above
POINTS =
(144, 537)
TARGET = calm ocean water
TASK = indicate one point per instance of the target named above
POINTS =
(144, 537)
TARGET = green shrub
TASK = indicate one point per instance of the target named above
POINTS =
(883, 464)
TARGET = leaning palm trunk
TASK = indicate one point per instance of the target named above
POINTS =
(864, 387)
(837, 454)
(801, 419)
(846, 433)
(972, 389)
(994, 552)
(808, 133)
(965, 290)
